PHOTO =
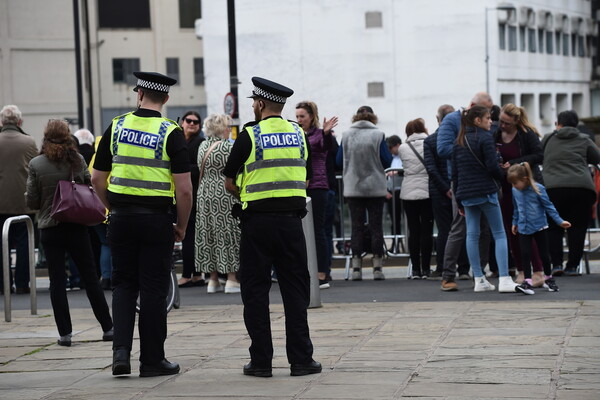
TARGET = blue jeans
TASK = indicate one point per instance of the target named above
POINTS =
(105, 255)
(494, 217)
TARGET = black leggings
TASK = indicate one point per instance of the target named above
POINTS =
(419, 217)
(573, 205)
(373, 206)
(526, 246)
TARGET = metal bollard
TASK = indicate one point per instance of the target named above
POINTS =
(6, 265)
(311, 255)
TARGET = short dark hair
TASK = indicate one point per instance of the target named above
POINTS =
(392, 141)
(155, 97)
(495, 113)
(568, 118)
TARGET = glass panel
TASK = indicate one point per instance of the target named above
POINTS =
(512, 38)
(189, 12)
(118, 14)
(522, 39)
(173, 68)
(549, 42)
(123, 69)
(199, 71)
(502, 36)
(541, 36)
(565, 42)
(531, 41)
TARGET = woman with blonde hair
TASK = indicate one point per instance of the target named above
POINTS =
(217, 239)
(517, 141)
(59, 160)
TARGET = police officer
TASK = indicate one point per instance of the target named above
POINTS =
(148, 163)
(272, 157)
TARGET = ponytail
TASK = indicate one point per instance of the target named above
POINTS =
(521, 171)
(467, 119)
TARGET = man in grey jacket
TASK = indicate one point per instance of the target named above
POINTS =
(16, 150)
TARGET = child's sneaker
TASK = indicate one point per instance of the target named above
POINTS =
(482, 285)
(551, 285)
(525, 288)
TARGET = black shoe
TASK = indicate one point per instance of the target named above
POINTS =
(64, 340)
(106, 284)
(23, 290)
(200, 282)
(251, 370)
(121, 364)
(108, 335)
(162, 368)
(557, 271)
(312, 367)
(568, 272)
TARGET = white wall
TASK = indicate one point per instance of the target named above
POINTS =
(428, 52)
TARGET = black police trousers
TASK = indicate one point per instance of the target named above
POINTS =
(142, 248)
(275, 240)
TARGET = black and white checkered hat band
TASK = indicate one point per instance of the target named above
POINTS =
(269, 96)
(158, 87)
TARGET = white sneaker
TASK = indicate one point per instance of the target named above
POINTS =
(232, 287)
(482, 285)
(506, 285)
(214, 286)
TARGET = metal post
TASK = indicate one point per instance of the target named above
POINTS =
(78, 63)
(233, 78)
(311, 255)
(6, 264)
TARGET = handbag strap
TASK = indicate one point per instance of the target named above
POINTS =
(481, 163)
(210, 149)
(416, 153)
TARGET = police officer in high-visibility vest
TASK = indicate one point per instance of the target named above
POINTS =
(267, 171)
(146, 157)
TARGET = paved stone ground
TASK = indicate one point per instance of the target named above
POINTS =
(429, 350)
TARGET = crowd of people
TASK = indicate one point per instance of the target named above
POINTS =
(236, 207)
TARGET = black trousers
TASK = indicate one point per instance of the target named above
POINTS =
(419, 217)
(142, 248)
(319, 206)
(75, 240)
(187, 248)
(573, 205)
(373, 207)
(275, 240)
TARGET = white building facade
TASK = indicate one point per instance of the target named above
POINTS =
(404, 58)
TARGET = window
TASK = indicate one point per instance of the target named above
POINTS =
(558, 37)
(522, 39)
(532, 40)
(565, 44)
(581, 45)
(123, 14)
(549, 41)
(123, 69)
(375, 89)
(173, 68)
(189, 12)
(373, 19)
(574, 44)
(512, 38)
(199, 71)
(541, 36)
(502, 36)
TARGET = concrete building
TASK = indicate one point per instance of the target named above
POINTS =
(37, 57)
(405, 58)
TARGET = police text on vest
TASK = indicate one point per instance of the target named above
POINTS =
(279, 139)
(139, 138)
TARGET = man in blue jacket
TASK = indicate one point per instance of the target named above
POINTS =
(447, 133)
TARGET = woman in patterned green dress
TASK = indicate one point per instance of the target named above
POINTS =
(217, 232)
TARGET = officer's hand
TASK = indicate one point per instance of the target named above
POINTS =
(179, 233)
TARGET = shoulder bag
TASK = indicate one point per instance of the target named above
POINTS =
(77, 203)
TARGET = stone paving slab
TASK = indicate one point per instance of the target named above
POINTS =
(443, 350)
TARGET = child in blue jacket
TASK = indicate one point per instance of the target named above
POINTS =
(531, 204)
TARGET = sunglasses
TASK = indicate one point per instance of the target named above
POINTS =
(191, 121)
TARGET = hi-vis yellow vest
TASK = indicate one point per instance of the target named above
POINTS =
(276, 166)
(140, 164)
